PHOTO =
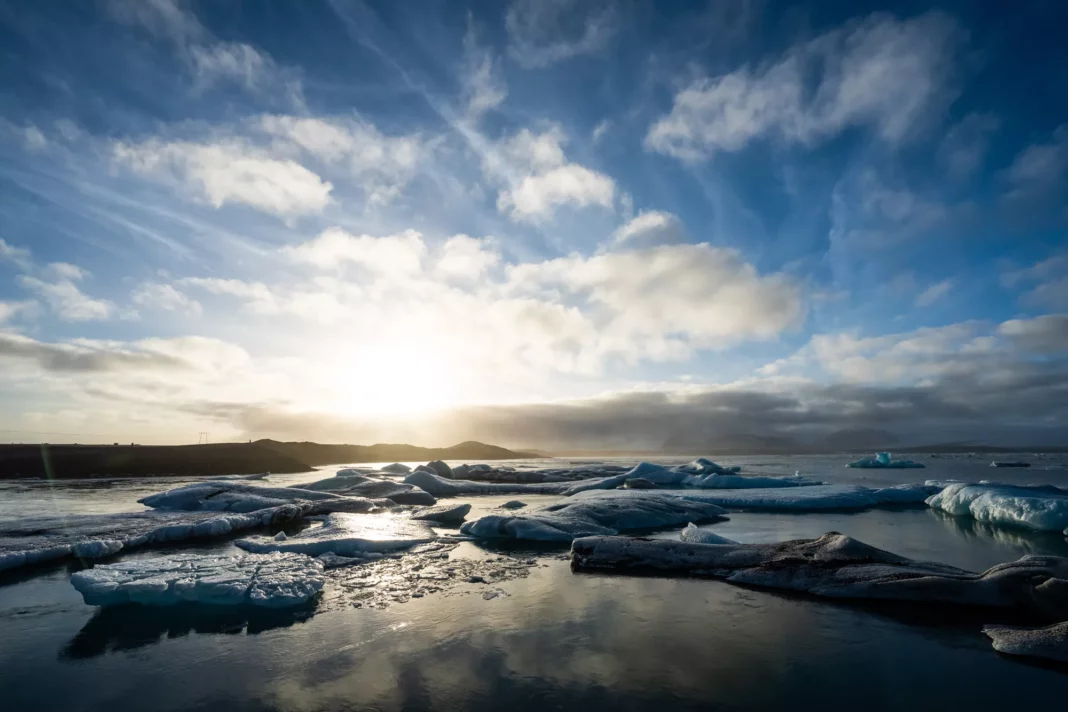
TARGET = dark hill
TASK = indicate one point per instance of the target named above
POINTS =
(317, 454)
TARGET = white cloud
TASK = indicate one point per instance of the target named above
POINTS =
(381, 164)
(229, 172)
(67, 301)
(65, 270)
(543, 32)
(484, 87)
(11, 309)
(650, 228)
(1049, 279)
(395, 255)
(466, 258)
(1039, 169)
(600, 130)
(539, 178)
(18, 256)
(257, 295)
(964, 146)
(934, 293)
(232, 60)
(164, 296)
(880, 72)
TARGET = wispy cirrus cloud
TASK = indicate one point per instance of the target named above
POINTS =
(543, 32)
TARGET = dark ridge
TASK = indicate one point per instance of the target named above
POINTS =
(316, 454)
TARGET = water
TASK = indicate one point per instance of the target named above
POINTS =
(559, 641)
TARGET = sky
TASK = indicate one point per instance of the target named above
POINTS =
(540, 223)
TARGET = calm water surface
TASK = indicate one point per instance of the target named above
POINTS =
(560, 641)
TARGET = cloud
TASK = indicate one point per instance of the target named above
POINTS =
(466, 258)
(1044, 335)
(381, 164)
(18, 256)
(965, 144)
(650, 228)
(395, 255)
(603, 126)
(934, 293)
(164, 296)
(543, 32)
(1049, 279)
(1040, 169)
(86, 356)
(540, 179)
(256, 295)
(887, 74)
(484, 87)
(870, 213)
(228, 171)
(11, 309)
(68, 302)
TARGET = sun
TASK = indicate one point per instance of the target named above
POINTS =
(396, 379)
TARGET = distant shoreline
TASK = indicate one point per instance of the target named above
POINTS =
(71, 462)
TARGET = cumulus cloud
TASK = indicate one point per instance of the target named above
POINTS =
(228, 171)
(933, 294)
(154, 295)
(539, 177)
(466, 258)
(649, 228)
(67, 301)
(395, 255)
(543, 32)
(18, 256)
(1046, 282)
(887, 74)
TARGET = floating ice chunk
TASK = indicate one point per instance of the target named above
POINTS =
(229, 496)
(704, 466)
(883, 460)
(273, 580)
(693, 534)
(584, 516)
(1042, 508)
(1004, 463)
(397, 469)
(441, 487)
(838, 566)
(513, 504)
(443, 513)
(358, 486)
(638, 483)
(816, 498)
(440, 468)
(1050, 643)
(348, 535)
(92, 536)
(355, 472)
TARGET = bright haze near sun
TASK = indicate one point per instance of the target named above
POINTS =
(543, 223)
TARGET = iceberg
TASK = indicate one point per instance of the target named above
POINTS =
(440, 468)
(441, 487)
(705, 474)
(443, 513)
(1037, 507)
(564, 521)
(397, 469)
(1049, 643)
(838, 566)
(693, 534)
(93, 536)
(359, 486)
(230, 496)
(883, 460)
(271, 580)
(815, 498)
(348, 535)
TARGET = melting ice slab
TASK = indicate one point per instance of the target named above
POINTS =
(1050, 643)
(273, 580)
(838, 566)
(348, 535)
(883, 460)
(1042, 508)
(92, 536)
(230, 496)
(566, 520)
(817, 498)
(360, 486)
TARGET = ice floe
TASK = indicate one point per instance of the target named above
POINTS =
(563, 521)
(92, 536)
(816, 498)
(397, 469)
(838, 566)
(360, 486)
(443, 513)
(1049, 643)
(693, 534)
(229, 496)
(272, 580)
(348, 535)
(1038, 507)
(883, 460)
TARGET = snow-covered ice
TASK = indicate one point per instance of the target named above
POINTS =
(883, 460)
(816, 498)
(360, 486)
(442, 487)
(230, 496)
(272, 580)
(563, 521)
(693, 534)
(92, 536)
(838, 566)
(1041, 507)
(1049, 643)
(348, 535)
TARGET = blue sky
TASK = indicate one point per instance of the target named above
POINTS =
(551, 223)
